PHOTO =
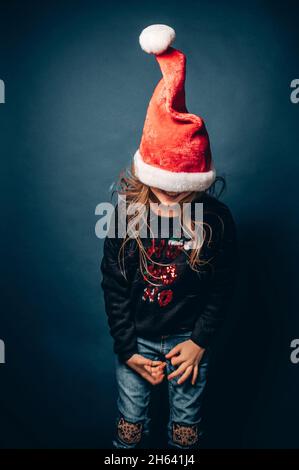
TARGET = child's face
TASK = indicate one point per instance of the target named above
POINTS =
(169, 197)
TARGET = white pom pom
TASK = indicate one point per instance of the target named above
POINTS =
(156, 38)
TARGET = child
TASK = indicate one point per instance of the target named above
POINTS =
(164, 297)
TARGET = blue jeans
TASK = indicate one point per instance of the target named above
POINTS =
(185, 400)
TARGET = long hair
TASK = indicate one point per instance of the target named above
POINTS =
(136, 192)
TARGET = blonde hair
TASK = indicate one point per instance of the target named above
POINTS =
(136, 192)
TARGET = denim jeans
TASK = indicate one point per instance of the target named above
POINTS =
(185, 400)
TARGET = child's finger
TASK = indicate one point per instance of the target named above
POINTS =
(194, 375)
(185, 375)
(149, 369)
(155, 369)
(142, 361)
(178, 371)
(149, 362)
(176, 360)
(157, 374)
(157, 363)
(158, 378)
(152, 380)
(173, 351)
(162, 366)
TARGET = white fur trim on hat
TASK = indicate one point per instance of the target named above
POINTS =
(171, 180)
(156, 38)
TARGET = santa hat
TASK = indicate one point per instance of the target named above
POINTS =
(174, 152)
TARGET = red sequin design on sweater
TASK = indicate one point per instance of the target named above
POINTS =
(163, 274)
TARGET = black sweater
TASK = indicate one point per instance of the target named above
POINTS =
(181, 299)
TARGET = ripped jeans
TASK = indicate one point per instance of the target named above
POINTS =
(185, 400)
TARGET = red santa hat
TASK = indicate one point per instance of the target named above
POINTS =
(174, 152)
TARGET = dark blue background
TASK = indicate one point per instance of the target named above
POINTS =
(77, 88)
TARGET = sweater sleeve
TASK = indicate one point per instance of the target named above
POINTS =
(117, 301)
(220, 285)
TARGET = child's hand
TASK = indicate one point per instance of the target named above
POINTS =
(186, 356)
(152, 371)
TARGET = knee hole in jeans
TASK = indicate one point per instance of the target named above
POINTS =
(184, 434)
(130, 433)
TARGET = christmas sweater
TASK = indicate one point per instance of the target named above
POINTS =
(169, 296)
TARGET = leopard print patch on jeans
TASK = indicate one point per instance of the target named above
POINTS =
(129, 433)
(184, 435)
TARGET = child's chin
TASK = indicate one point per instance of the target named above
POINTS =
(173, 199)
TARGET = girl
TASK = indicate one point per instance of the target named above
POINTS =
(165, 296)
